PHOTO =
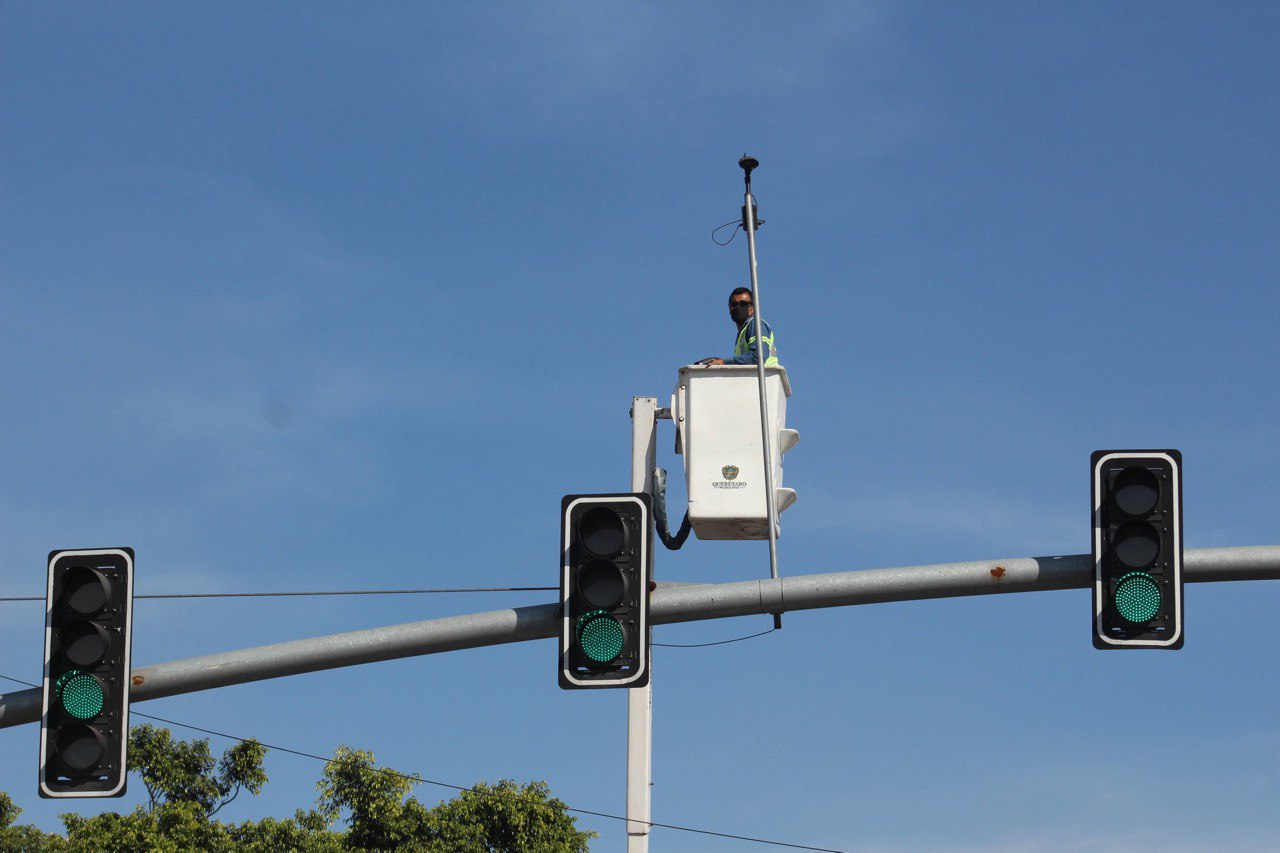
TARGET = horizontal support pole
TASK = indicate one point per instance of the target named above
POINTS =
(670, 603)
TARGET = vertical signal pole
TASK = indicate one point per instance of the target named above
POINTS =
(644, 414)
(771, 498)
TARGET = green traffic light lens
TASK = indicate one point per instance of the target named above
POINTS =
(600, 636)
(1138, 597)
(81, 694)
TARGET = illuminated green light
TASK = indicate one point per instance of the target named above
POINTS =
(600, 636)
(1138, 597)
(81, 694)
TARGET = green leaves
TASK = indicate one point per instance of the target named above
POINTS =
(9, 811)
(502, 817)
(373, 797)
(186, 788)
(505, 816)
(176, 771)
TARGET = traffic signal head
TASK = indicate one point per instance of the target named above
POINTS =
(84, 727)
(606, 549)
(1137, 549)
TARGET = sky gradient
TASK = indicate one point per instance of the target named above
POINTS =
(338, 296)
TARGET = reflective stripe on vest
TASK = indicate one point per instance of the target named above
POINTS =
(743, 345)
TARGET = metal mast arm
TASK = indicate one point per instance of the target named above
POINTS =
(678, 602)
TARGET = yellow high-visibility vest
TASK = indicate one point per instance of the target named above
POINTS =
(746, 338)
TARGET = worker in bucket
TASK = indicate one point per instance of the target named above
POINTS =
(742, 310)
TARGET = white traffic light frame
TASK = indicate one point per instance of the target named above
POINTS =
(122, 559)
(642, 563)
(1172, 460)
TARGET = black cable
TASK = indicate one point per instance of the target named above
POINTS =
(659, 495)
(461, 788)
(334, 592)
(674, 542)
(717, 643)
(737, 222)
(679, 538)
(356, 592)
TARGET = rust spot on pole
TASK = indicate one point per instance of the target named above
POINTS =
(137, 680)
(997, 572)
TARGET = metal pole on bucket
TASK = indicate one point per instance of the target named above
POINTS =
(771, 499)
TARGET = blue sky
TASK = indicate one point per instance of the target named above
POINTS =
(331, 296)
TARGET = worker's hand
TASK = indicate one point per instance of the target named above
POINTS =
(712, 361)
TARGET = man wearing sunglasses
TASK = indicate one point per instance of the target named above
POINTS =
(744, 351)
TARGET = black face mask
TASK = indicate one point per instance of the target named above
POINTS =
(739, 313)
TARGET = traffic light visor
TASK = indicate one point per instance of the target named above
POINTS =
(1136, 544)
(602, 531)
(81, 748)
(85, 590)
(601, 585)
(1136, 491)
(85, 643)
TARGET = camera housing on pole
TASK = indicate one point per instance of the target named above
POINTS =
(606, 547)
(84, 721)
(1137, 549)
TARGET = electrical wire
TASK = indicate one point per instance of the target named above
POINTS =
(737, 222)
(717, 643)
(463, 788)
(659, 495)
(398, 592)
(332, 592)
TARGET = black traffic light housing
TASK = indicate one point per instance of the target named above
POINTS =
(1137, 549)
(606, 548)
(84, 723)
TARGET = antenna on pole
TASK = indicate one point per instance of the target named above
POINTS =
(750, 224)
(749, 163)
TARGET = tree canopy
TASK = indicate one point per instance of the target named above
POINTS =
(186, 787)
